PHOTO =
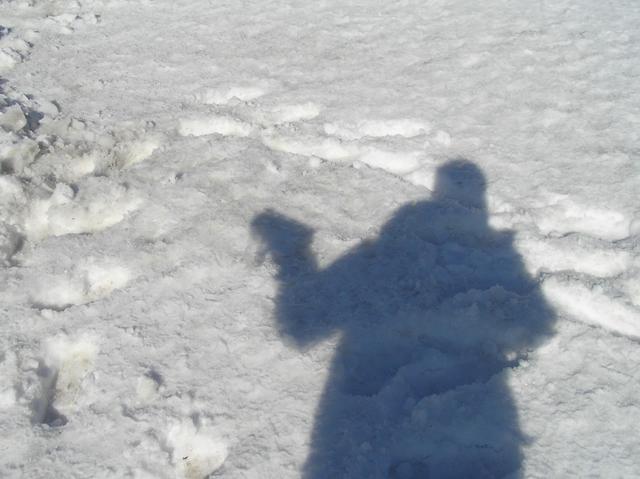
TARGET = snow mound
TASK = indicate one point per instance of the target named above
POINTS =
(220, 125)
(67, 364)
(98, 205)
(194, 454)
(88, 282)
(223, 96)
(404, 127)
(593, 305)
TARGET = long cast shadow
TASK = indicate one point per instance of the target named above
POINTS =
(432, 314)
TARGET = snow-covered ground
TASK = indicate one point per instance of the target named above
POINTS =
(330, 239)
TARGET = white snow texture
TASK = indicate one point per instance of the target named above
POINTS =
(339, 239)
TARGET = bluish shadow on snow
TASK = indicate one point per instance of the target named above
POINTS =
(433, 316)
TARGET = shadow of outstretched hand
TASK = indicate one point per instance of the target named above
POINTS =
(302, 317)
(287, 241)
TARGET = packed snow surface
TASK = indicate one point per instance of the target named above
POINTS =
(316, 240)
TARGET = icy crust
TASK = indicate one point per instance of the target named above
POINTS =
(24, 23)
(142, 330)
(59, 176)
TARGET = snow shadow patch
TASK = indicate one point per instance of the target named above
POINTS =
(433, 316)
(42, 407)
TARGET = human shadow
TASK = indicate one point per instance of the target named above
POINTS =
(433, 315)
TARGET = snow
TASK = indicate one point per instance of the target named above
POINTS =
(195, 454)
(220, 125)
(330, 239)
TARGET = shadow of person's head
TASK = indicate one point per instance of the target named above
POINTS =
(456, 211)
(461, 181)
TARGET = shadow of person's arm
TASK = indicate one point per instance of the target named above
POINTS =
(299, 310)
